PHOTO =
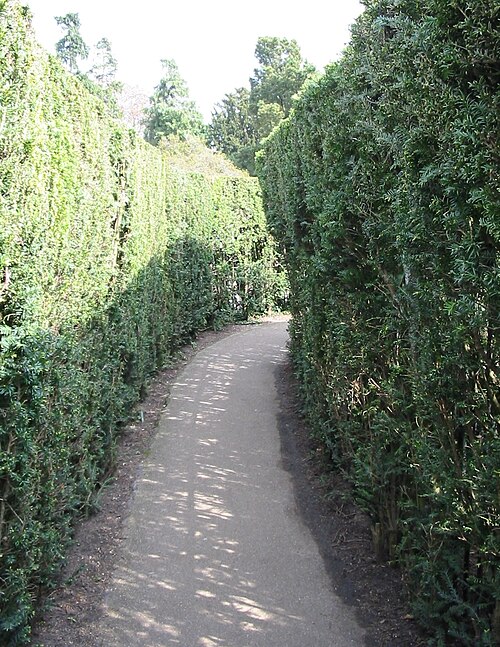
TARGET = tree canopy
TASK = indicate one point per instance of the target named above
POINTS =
(232, 130)
(100, 78)
(171, 111)
(71, 47)
(105, 64)
(280, 74)
(246, 116)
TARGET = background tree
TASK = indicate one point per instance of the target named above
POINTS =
(232, 130)
(171, 111)
(133, 103)
(101, 78)
(245, 117)
(280, 74)
(71, 47)
(103, 71)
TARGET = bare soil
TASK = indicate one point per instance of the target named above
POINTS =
(72, 610)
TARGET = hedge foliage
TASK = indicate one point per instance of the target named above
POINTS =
(110, 259)
(383, 190)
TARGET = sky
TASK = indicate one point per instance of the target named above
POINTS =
(212, 41)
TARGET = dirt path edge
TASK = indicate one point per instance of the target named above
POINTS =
(341, 530)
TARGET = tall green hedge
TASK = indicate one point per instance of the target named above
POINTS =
(383, 190)
(110, 259)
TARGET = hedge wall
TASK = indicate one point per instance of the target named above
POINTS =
(383, 190)
(110, 259)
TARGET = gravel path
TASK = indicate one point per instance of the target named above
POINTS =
(215, 552)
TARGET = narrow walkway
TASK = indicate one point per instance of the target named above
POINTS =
(215, 554)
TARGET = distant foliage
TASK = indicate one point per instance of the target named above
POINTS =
(132, 102)
(71, 47)
(382, 189)
(232, 130)
(100, 78)
(280, 73)
(111, 257)
(171, 111)
(246, 116)
(105, 64)
(192, 155)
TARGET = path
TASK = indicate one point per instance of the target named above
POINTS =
(215, 554)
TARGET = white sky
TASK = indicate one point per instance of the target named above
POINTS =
(212, 41)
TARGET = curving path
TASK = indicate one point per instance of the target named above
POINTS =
(215, 554)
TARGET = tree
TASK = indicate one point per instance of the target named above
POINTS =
(281, 72)
(245, 117)
(71, 47)
(171, 111)
(105, 65)
(268, 116)
(232, 130)
(100, 79)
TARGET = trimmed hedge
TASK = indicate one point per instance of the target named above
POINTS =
(382, 189)
(110, 259)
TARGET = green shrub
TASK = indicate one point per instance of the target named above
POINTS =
(382, 190)
(111, 257)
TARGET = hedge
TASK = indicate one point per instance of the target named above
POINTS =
(382, 190)
(110, 259)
